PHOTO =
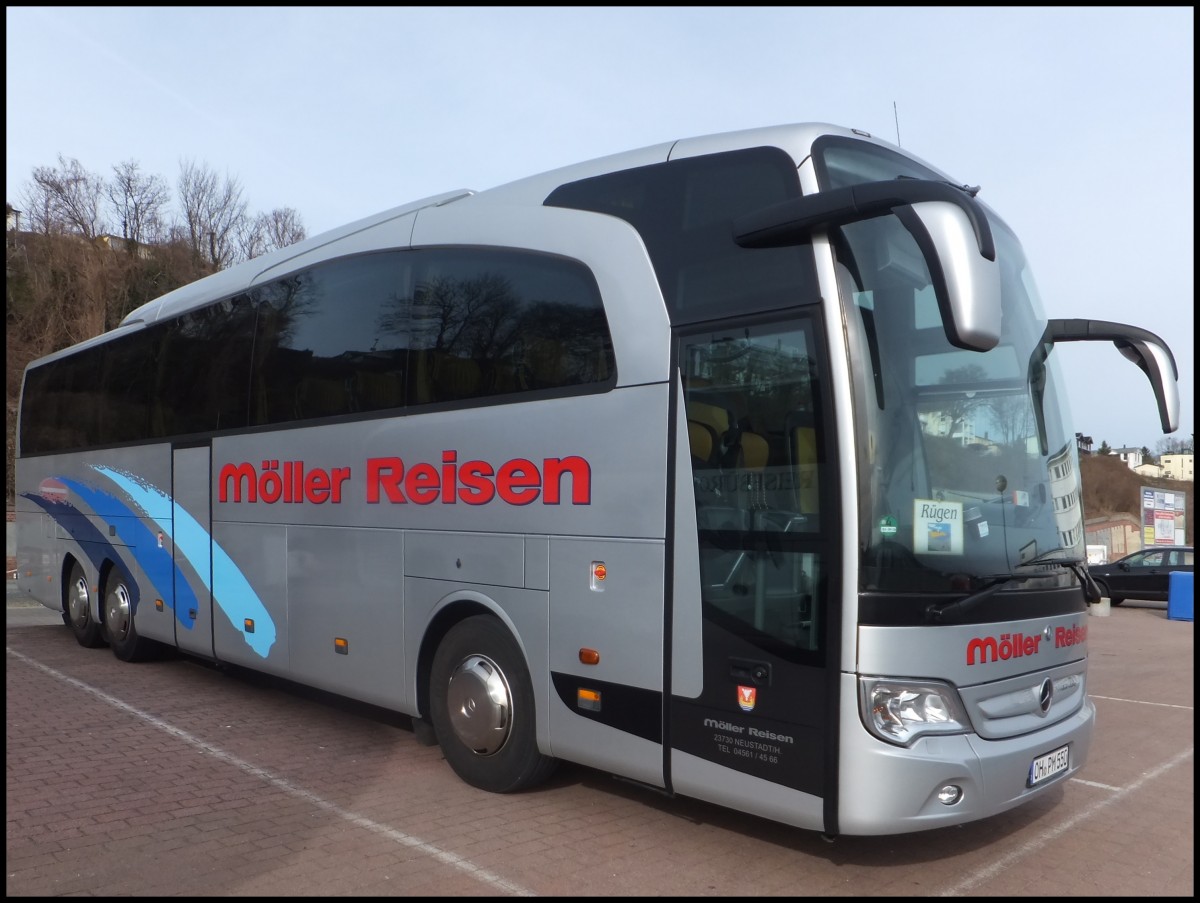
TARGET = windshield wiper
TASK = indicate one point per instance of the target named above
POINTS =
(949, 612)
(1077, 566)
(941, 614)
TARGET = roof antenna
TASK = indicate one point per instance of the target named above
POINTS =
(896, 113)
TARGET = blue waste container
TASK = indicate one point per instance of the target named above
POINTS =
(1181, 593)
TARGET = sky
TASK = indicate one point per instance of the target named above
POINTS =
(1077, 123)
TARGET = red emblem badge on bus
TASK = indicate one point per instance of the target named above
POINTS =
(746, 696)
(53, 490)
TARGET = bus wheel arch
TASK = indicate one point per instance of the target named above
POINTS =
(481, 703)
(77, 607)
(449, 614)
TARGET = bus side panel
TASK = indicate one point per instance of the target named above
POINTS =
(249, 592)
(600, 459)
(37, 580)
(617, 612)
(345, 611)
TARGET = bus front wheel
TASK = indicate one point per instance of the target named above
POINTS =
(482, 708)
(78, 611)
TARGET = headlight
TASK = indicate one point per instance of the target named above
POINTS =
(900, 711)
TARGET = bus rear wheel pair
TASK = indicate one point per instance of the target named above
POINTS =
(117, 627)
(482, 708)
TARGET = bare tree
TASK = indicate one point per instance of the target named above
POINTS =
(66, 199)
(252, 237)
(1174, 445)
(138, 201)
(283, 227)
(37, 212)
(213, 213)
(1014, 417)
(267, 232)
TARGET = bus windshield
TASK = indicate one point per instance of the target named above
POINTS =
(967, 467)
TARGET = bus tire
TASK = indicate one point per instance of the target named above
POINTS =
(77, 611)
(482, 708)
(118, 620)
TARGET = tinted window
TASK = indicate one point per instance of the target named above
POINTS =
(59, 402)
(489, 322)
(376, 332)
(423, 327)
(329, 341)
(204, 376)
(684, 212)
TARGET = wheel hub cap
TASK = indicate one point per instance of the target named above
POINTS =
(480, 704)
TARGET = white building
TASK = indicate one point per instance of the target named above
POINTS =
(1131, 456)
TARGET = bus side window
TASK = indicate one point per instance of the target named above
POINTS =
(318, 396)
(378, 391)
(703, 441)
(717, 417)
(455, 377)
(802, 435)
(755, 451)
(546, 364)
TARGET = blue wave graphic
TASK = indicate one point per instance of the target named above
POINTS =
(238, 601)
(76, 524)
(154, 560)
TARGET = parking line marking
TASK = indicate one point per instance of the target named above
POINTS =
(209, 749)
(1166, 705)
(1038, 844)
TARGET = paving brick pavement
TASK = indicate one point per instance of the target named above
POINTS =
(172, 778)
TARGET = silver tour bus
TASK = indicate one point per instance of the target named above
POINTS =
(737, 466)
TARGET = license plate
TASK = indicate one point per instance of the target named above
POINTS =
(1047, 766)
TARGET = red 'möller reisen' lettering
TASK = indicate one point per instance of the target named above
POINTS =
(1070, 636)
(291, 483)
(518, 481)
(1006, 646)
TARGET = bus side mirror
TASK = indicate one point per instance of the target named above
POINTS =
(968, 291)
(1144, 348)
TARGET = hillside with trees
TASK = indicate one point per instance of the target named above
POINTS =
(1111, 487)
(83, 250)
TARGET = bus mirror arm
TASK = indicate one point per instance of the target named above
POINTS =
(1091, 592)
(1152, 355)
(945, 220)
(792, 221)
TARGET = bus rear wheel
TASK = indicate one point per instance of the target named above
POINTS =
(118, 620)
(482, 708)
(78, 611)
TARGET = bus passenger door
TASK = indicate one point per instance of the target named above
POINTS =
(752, 714)
(191, 482)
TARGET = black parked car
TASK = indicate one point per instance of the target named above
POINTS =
(1142, 575)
